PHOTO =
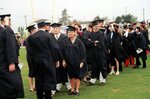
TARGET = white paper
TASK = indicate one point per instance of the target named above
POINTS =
(139, 51)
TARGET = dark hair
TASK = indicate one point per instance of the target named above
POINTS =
(138, 29)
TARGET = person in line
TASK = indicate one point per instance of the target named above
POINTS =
(31, 29)
(11, 86)
(74, 58)
(46, 56)
(61, 72)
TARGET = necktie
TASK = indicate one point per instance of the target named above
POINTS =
(56, 37)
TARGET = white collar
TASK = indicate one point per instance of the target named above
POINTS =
(57, 35)
(42, 29)
(2, 26)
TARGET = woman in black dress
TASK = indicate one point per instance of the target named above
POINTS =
(74, 57)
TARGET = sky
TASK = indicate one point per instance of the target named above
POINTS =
(84, 10)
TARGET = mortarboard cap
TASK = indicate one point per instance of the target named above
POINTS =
(71, 28)
(95, 22)
(56, 25)
(48, 22)
(40, 22)
(130, 27)
(100, 20)
(4, 15)
(31, 27)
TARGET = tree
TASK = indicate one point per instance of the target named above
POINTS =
(64, 20)
(21, 31)
(118, 19)
(129, 18)
(125, 19)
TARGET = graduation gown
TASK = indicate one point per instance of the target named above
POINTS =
(45, 53)
(61, 72)
(10, 83)
(74, 54)
(116, 49)
(96, 54)
(141, 43)
(30, 59)
(129, 44)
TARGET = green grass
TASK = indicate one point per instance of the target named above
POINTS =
(130, 84)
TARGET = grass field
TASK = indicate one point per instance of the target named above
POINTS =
(130, 84)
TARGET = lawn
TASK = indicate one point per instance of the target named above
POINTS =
(130, 84)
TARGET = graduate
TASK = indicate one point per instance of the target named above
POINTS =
(11, 86)
(115, 49)
(48, 26)
(129, 46)
(31, 29)
(61, 72)
(46, 55)
(96, 55)
(74, 57)
(140, 42)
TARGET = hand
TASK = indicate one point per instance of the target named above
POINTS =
(64, 63)
(95, 43)
(57, 64)
(89, 39)
(81, 64)
(139, 49)
(11, 67)
(108, 50)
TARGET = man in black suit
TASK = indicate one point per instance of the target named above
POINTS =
(11, 86)
(45, 55)
(62, 76)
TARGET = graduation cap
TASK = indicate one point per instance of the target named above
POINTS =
(48, 22)
(55, 25)
(4, 15)
(40, 22)
(31, 27)
(71, 28)
(95, 22)
(100, 20)
(130, 28)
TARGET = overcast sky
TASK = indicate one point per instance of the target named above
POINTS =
(78, 9)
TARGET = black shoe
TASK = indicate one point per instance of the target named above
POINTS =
(144, 67)
(136, 66)
(85, 81)
(102, 84)
(77, 93)
(90, 84)
(57, 91)
(71, 93)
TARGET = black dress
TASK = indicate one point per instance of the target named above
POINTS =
(11, 85)
(74, 54)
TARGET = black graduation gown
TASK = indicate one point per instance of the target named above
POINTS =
(61, 72)
(74, 54)
(11, 85)
(96, 54)
(145, 34)
(30, 59)
(129, 45)
(116, 49)
(45, 54)
(141, 43)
